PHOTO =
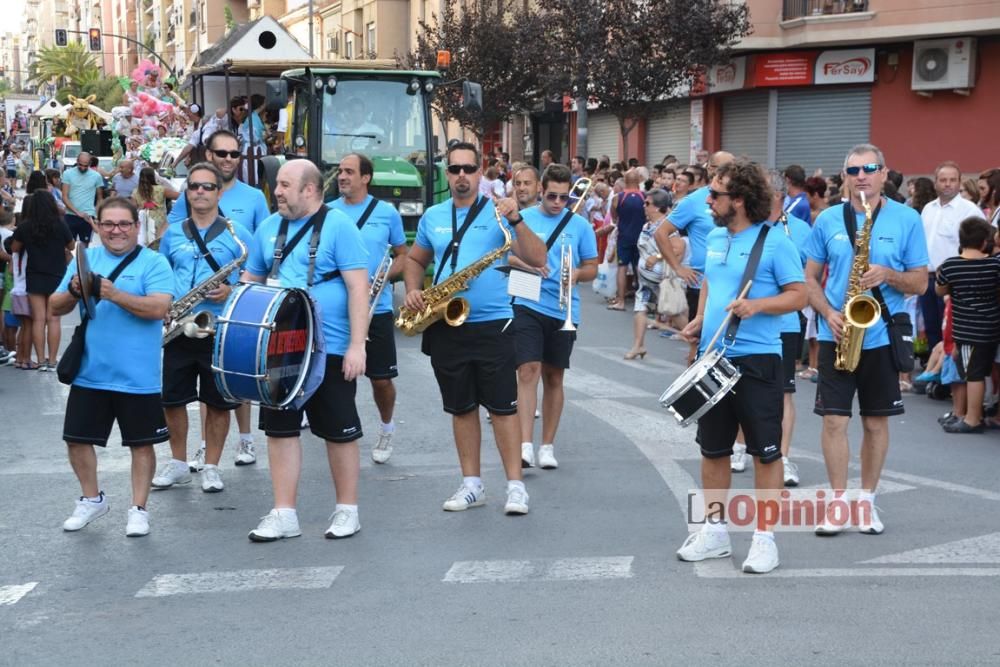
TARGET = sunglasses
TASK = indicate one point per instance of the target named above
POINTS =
(456, 169)
(108, 226)
(715, 194)
(229, 154)
(552, 196)
(869, 168)
(207, 187)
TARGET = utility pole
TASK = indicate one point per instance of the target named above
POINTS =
(311, 54)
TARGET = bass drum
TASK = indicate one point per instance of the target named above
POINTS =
(264, 345)
(701, 386)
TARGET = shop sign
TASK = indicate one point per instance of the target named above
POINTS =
(846, 66)
(784, 69)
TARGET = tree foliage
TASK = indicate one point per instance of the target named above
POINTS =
(71, 67)
(631, 55)
(496, 43)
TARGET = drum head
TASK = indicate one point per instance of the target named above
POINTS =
(289, 347)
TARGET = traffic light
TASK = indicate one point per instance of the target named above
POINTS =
(61, 38)
(94, 38)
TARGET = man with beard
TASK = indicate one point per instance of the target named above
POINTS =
(380, 226)
(740, 200)
(526, 187)
(474, 363)
(82, 190)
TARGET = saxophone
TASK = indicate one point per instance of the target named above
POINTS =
(201, 324)
(440, 300)
(860, 310)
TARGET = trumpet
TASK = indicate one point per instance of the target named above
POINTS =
(566, 284)
(580, 190)
(379, 280)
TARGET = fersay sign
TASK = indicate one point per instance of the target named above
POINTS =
(845, 66)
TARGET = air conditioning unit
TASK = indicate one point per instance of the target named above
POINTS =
(944, 64)
(332, 44)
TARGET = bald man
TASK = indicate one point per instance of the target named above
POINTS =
(336, 275)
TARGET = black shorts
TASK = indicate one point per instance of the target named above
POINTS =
(974, 360)
(791, 343)
(187, 374)
(333, 416)
(692, 294)
(876, 381)
(474, 365)
(380, 349)
(538, 338)
(90, 414)
(80, 228)
(755, 403)
(628, 254)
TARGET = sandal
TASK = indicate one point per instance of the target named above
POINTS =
(616, 305)
(29, 366)
(905, 386)
(807, 374)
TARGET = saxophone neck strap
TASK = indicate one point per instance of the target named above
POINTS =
(457, 234)
(851, 223)
(748, 273)
(217, 227)
(558, 230)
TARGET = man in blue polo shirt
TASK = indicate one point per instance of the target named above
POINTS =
(543, 346)
(740, 197)
(474, 362)
(82, 192)
(381, 228)
(119, 377)
(897, 267)
(796, 201)
(339, 284)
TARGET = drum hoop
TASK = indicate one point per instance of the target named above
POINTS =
(691, 375)
(307, 354)
(261, 355)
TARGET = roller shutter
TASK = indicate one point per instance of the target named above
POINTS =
(817, 126)
(744, 125)
(668, 132)
(602, 135)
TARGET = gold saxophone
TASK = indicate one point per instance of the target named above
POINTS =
(860, 310)
(440, 300)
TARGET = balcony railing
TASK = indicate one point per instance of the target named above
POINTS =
(795, 9)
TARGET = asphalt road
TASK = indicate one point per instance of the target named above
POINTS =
(589, 577)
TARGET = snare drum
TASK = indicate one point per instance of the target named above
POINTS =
(700, 387)
(264, 345)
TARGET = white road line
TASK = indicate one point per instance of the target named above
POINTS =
(560, 569)
(982, 549)
(239, 580)
(655, 432)
(884, 486)
(660, 367)
(731, 572)
(594, 385)
(11, 594)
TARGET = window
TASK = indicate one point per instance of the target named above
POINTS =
(370, 36)
(349, 46)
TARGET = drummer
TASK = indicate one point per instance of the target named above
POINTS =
(740, 201)
(322, 250)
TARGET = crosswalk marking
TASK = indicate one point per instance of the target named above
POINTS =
(11, 594)
(730, 572)
(981, 549)
(559, 569)
(660, 367)
(884, 486)
(594, 385)
(239, 580)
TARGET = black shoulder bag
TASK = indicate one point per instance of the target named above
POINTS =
(898, 326)
(72, 358)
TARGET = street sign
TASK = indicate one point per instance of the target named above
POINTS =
(94, 39)
(61, 37)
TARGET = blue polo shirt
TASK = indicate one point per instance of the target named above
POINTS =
(694, 215)
(580, 237)
(797, 231)
(897, 242)
(384, 226)
(191, 269)
(122, 351)
(240, 203)
(726, 257)
(798, 206)
(340, 248)
(83, 189)
(487, 293)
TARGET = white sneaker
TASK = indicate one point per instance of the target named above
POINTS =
(517, 501)
(85, 512)
(138, 522)
(738, 459)
(345, 523)
(197, 464)
(527, 455)
(828, 528)
(275, 526)
(705, 544)
(211, 479)
(873, 527)
(763, 556)
(547, 458)
(383, 448)
(791, 472)
(170, 474)
(246, 455)
(465, 498)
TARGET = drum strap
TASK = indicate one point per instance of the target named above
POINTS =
(748, 273)
(315, 224)
(218, 226)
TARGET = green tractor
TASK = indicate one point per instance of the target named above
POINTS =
(384, 113)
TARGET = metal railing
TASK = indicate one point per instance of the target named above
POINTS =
(794, 9)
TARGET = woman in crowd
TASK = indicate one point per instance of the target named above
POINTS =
(49, 243)
(150, 198)
(970, 190)
(816, 192)
(989, 189)
(923, 193)
(54, 179)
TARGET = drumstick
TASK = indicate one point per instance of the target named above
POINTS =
(729, 316)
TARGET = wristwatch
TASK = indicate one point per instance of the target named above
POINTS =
(515, 223)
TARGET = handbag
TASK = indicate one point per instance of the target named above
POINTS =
(72, 359)
(605, 284)
(672, 299)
